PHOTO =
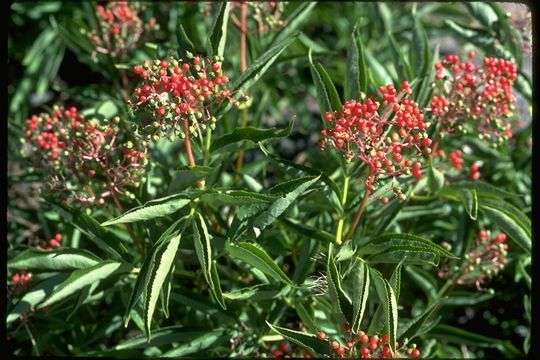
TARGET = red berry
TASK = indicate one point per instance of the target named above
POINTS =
(16, 278)
(364, 339)
(426, 142)
(307, 355)
(373, 345)
(196, 60)
(161, 111)
(185, 67)
(365, 352)
(384, 339)
(58, 237)
(386, 351)
(500, 238)
(284, 346)
(54, 243)
(216, 67)
(340, 351)
(277, 353)
(163, 64)
(415, 353)
(385, 200)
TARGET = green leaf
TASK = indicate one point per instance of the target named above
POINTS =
(309, 342)
(381, 77)
(482, 12)
(462, 337)
(81, 278)
(362, 67)
(323, 97)
(259, 259)
(103, 238)
(235, 198)
(251, 134)
(152, 209)
(183, 39)
(410, 328)
(35, 295)
(244, 293)
(329, 86)
(511, 220)
(470, 201)
(360, 293)
(197, 344)
(423, 280)
(144, 272)
(419, 53)
(159, 268)
(269, 215)
(337, 294)
(218, 34)
(164, 336)
(388, 299)
(203, 249)
(352, 72)
(56, 260)
(165, 292)
(261, 65)
(435, 179)
(216, 286)
(482, 189)
(392, 247)
(466, 298)
(293, 21)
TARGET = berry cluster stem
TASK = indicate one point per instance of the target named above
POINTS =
(243, 68)
(339, 231)
(358, 214)
(191, 159)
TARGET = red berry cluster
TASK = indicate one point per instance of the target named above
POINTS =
(121, 28)
(53, 243)
(386, 138)
(175, 91)
(457, 160)
(475, 174)
(369, 347)
(484, 260)
(284, 349)
(475, 98)
(22, 278)
(86, 160)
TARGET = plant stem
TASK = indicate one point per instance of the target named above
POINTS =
(339, 231)
(243, 68)
(207, 145)
(358, 214)
(191, 160)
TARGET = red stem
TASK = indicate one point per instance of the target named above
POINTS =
(358, 214)
(243, 31)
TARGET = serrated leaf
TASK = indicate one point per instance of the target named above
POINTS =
(309, 342)
(360, 293)
(393, 247)
(198, 344)
(56, 260)
(165, 292)
(511, 220)
(482, 189)
(152, 209)
(159, 268)
(388, 299)
(329, 86)
(35, 295)
(244, 293)
(470, 201)
(337, 294)
(269, 215)
(323, 98)
(85, 277)
(235, 198)
(261, 65)
(201, 240)
(352, 71)
(411, 328)
(251, 134)
(216, 286)
(183, 39)
(145, 270)
(218, 34)
(259, 259)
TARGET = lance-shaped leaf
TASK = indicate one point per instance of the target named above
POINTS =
(196, 345)
(269, 215)
(309, 231)
(81, 278)
(482, 189)
(103, 238)
(201, 240)
(261, 65)
(309, 342)
(183, 39)
(352, 73)
(435, 179)
(327, 95)
(337, 294)
(152, 209)
(293, 21)
(159, 268)
(360, 293)
(410, 328)
(218, 34)
(388, 299)
(35, 295)
(419, 54)
(259, 259)
(164, 336)
(165, 292)
(144, 272)
(511, 220)
(251, 134)
(235, 198)
(56, 260)
(216, 285)
(391, 248)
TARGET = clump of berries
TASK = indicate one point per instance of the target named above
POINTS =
(484, 260)
(389, 137)
(479, 98)
(456, 159)
(86, 160)
(21, 279)
(364, 346)
(178, 94)
(120, 28)
(54, 243)
(286, 350)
